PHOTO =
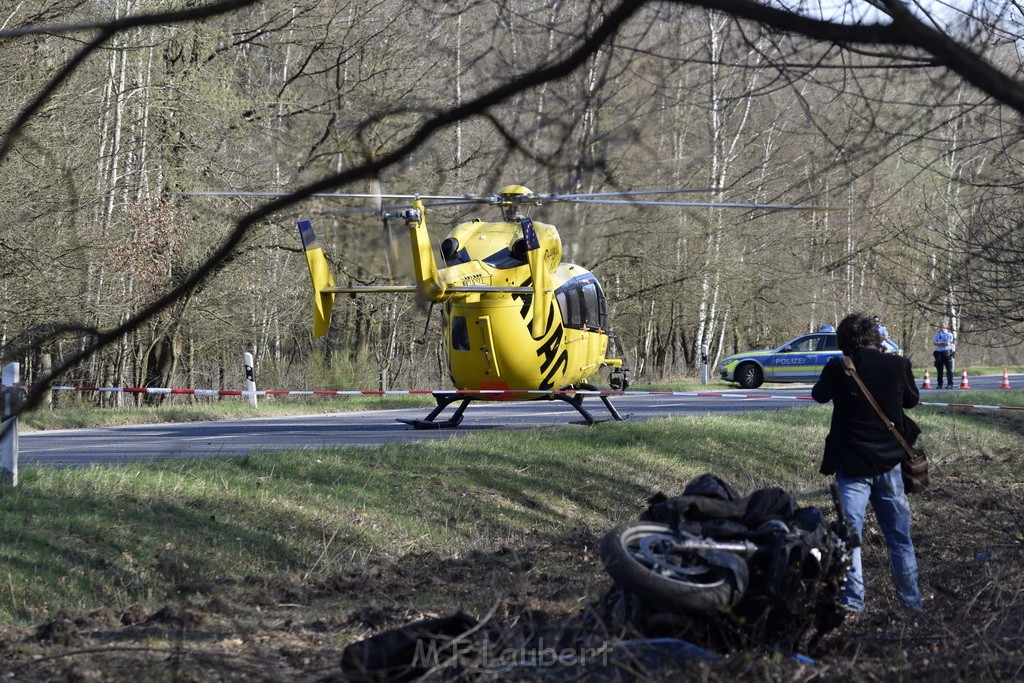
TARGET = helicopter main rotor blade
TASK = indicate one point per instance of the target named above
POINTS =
(342, 195)
(724, 205)
(623, 193)
(344, 211)
(455, 200)
(481, 200)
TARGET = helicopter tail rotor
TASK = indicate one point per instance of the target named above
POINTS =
(390, 241)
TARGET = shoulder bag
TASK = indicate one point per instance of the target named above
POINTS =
(915, 466)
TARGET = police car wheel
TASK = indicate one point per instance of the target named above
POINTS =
(749, 376)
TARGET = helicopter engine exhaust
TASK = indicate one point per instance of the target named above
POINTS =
(450, 250)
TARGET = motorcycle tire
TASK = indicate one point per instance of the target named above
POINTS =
(644, 560)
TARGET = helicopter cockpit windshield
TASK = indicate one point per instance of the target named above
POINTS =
(583, 304)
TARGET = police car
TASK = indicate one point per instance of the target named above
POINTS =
(798, 360)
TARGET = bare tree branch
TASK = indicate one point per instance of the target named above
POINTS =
(106, 30)
(905, 30)
(608, 27)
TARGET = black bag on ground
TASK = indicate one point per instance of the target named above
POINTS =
(716, 510)
(405, 653)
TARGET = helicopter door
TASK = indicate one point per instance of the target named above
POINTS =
(488, 349)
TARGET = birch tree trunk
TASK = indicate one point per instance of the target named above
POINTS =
(726, 130)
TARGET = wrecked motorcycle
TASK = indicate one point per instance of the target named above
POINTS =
(729, 572)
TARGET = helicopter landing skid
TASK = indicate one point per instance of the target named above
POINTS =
(576, 401)
(443, 401)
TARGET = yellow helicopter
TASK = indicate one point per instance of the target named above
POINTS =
(517, 321)
(515, 318)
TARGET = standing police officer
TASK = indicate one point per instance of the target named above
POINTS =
(944, 354)
(883, 332)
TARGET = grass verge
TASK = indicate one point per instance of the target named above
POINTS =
(119, 535)
(78, 414)
(265, 567)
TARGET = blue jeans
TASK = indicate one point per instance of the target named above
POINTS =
(892, 509)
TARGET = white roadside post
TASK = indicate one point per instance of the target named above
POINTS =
(250, 379)
(704, 363)
(9, 435)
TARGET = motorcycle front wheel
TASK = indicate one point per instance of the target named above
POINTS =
(645, 559)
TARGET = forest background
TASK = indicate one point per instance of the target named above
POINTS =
(111, 278)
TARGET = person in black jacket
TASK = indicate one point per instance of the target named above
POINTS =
(865, 457)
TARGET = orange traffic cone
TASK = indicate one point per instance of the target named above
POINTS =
(927, 380)
(1006, 380)
(963, 380)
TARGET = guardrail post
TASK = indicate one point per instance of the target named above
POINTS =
(10, 395)
(704, 363)
(250, 379)
(45, 367)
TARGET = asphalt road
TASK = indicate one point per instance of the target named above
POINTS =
(119, 445)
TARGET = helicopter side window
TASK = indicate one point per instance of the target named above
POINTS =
(572, 298)
(591, 307)
(602, 306)
(563, 305)
(460, 334)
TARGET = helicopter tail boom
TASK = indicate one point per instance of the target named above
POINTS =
(320, 274)
(450, 292)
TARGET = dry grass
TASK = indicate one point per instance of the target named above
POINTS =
(518, 549)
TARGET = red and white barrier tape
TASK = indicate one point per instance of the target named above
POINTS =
(475, 392)
(969, 405)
